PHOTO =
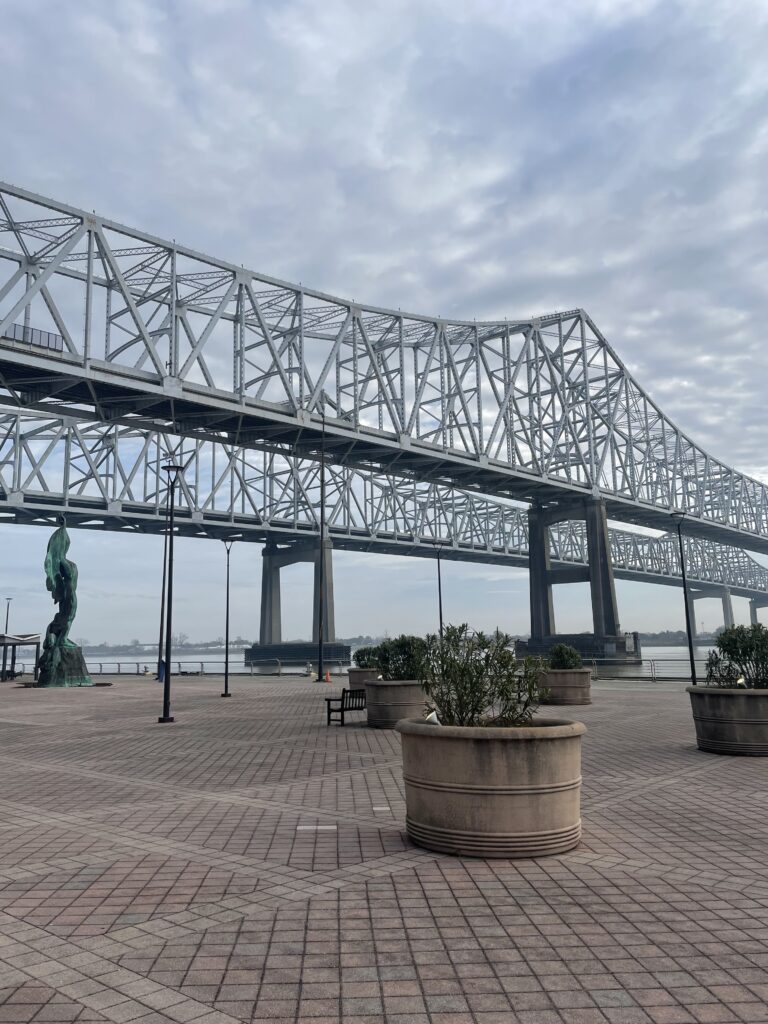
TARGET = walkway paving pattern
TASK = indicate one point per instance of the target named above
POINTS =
(249, 864)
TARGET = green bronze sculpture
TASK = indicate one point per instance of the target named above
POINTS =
(62, 662)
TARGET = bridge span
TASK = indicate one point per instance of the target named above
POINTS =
(100, 318)
(109, 477)
(107, 322)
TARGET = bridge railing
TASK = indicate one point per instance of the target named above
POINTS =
(651, 669)
(136, 668)
(654, 670)
(34, 336)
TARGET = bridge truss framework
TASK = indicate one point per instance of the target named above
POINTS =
(110, 477)
(117, 323)
(105, 322)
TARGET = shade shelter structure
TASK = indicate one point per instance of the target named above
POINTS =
(12, 643)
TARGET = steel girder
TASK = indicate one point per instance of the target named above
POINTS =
(540, 409)
(111, 477)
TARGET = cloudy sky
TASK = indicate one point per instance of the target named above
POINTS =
(473, 160)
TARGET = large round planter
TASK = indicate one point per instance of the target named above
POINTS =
(389, 700)
(567, 685)
(358, 677)
(730, 720)
(493, 792)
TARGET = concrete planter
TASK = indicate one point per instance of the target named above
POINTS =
(730, 720)
(358, 677)
(493, 792)
(389, 700)
(567, 685)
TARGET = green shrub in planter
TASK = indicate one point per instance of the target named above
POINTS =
(741, 656)
(563, 656)
(400, 657)
(365, 657)
(474, 679)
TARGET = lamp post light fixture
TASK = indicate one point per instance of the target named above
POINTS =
(228, 547)
(173, 471)
(679, 517)
(7, 612)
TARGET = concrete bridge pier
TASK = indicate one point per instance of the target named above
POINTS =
(728, 619)
(274, 559)
(754, 604)
(540, 575)
(598, 572)
(323, 553)
(605, 610)
(697, 592)
(270, 625)
(692, 610)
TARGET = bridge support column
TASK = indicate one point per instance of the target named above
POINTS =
(324, 557)
(692, 595)
(540, 570)
(270, 626)
(598, 572)
(274, 559)
(605, 612)
(754, 604)
(728, 620)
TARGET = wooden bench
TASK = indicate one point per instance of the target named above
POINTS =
(350, 700)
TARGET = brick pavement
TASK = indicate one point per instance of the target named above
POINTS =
(249, 864)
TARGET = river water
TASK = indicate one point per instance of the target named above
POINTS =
(658, 662)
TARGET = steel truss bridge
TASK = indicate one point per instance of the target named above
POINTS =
(102, 320)
(110, 477)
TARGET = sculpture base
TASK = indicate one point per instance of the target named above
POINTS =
(70, 669)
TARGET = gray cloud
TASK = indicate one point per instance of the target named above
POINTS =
(475, 160)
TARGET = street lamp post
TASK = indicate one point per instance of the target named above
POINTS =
(438, 545)
(160, 667)
(679, 517)
(173, 472)
(7, 612)
(228, 547)
(440, 593)
(321, 595)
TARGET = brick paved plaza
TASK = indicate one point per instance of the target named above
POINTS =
(248, 863)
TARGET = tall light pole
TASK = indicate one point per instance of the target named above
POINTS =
(228, 547)
(7, 612)
(173, 471)
(438, 545)
(321, 595)
(679, 517)
(160, 665)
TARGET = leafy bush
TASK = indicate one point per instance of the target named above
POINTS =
(562, 656)
(400, 657)
(365, 657)
(742, 652)
(474, 679)
(720, 671)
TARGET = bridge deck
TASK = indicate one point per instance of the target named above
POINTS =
(150, 332)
